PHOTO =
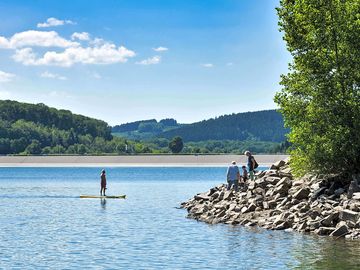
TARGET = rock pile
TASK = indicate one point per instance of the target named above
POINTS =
(320, 204)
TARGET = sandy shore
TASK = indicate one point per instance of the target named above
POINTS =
(138, 160)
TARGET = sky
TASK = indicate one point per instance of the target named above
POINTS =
(128, 60)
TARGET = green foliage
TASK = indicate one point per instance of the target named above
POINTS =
(232, 147)
(320, 98)
(38, 129)
(144, 129)
(261, 126)
(176, 145)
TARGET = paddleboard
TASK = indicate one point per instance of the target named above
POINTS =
(102, 197)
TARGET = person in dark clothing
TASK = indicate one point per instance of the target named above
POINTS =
(103, 183)
(244, 174)
(251, 164)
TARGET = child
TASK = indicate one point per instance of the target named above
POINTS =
(103, 183)
(244, 174)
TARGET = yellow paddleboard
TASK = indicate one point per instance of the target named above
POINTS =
(102, 197)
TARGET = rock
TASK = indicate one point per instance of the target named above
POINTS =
(329, 220)
(244, 210)
(260, 183)
(284, 180)
(278, 165)
(251, 208)
(202, 196)
(339, 191)
(348, 215)
(272, 180)
(282, 189)
(282, 226)
(228, 195)
(325, 230)
(318, 192)
(356, 196)
(341, 230)
(303, 193)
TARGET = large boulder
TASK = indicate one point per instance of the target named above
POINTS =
(348, 215)
(302, 193)
(341, 230)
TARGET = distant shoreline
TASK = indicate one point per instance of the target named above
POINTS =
(134, 161)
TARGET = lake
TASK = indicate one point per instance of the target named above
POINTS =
(45, 225)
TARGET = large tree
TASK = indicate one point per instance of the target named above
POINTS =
(176, 145)
(320, 97)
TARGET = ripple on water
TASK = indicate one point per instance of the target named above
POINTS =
(43, 224)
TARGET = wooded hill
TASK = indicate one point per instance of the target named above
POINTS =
(254, 126)
(38, 129)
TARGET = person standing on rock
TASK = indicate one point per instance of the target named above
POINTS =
(252, 164)
(233, 176)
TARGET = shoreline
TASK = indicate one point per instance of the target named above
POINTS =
(275, 200)
(135, 161)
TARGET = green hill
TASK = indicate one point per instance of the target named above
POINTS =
(38, 129)
(144, 129)
(250, 126)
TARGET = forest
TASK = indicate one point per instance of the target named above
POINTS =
(36, 129)
(250, 126)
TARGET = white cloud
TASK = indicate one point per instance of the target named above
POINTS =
(4, 43)
(36, 38)
(107, 53)
(6, 77)
(80, 36)
(160, 49)
(207, 65)
(150, 61)
(49, 75)
(54, 22)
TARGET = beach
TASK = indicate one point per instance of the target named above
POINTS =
(134, 160)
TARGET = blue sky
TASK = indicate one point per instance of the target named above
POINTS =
(127, 60)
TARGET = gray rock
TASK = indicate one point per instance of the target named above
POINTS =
(325, 230)
(282, 189)
(341, 230)
(279, 164)
(356, 196)
(272, 180)
(348, 215)
(303, 193)
(228, 195)
(329, 220)
(202, 196)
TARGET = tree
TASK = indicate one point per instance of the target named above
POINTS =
(34, 148)
(176, 144)
(320, 98)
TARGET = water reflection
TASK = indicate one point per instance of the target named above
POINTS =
(103, 203)
(329, 254)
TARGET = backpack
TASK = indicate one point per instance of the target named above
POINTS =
(256, 164)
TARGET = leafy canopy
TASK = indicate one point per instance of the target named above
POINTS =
(320, 98)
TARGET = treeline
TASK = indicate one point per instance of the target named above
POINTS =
(160, 145)
(150, 125)
(251, 126)
(38, 129)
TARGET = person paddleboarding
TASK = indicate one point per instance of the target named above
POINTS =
(103, 183)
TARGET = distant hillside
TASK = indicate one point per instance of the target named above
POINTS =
(144, 129)
(38, 129)
(261, 126)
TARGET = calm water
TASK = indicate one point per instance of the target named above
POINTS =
(44, 225)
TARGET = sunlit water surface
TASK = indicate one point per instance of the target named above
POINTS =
(45, 225)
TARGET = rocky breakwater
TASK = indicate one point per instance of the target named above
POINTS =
(320, 204)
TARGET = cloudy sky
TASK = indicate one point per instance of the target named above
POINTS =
(126, 60)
